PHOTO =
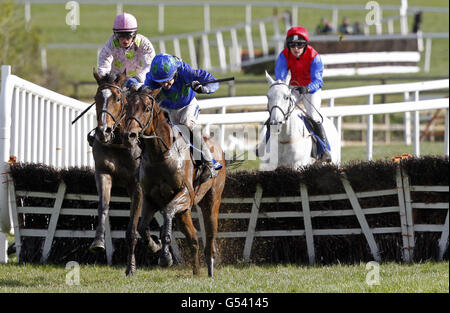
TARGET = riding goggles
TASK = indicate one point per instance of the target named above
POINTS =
(299, 44)
(127, 35)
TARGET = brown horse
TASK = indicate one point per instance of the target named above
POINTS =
(115, 163)
(168, 178)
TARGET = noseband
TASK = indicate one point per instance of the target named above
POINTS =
(122, 105)
(291, 106)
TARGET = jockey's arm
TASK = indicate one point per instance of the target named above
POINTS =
(149, 82)
(147, 58)
(189, 75)
(316, 70)
(105, 59)
(281, 69)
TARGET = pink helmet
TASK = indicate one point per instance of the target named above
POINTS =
(125, 22)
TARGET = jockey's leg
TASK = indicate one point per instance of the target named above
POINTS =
(209, 170)
(312, 103)
(188, 117)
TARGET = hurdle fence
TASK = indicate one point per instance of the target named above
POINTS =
(404, 208)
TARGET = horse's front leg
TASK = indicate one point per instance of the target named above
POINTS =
(135, 192)
(104, 184)
(180, 202)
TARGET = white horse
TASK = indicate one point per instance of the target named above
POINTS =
(290, 142)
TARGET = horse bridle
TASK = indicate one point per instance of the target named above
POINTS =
(122, 105)
(149, 122)
(292, 104)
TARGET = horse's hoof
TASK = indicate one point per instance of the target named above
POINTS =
(130, 272)
(97, 246)
(165, 260)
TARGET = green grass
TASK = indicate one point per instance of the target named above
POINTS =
(394, 278)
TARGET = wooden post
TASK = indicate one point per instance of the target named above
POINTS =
(206, 53)
(407, 122)
(361, 217)
(308, 224)
(206, 18)
(221, 50)
(403, 222)
(263, 35)
(119, 8)
(3, 248)
(27, 15)
(201, 222)
(108, 241)
(416, 128)
(162, 46)
(248, 36)
(192, 53)
(409, 213)
(53, 222)
(15, 218)
(443, 241)
(176, 47)
(161, 18)
(252, 223)
(427, 62)
(369, 138)
(446, 135)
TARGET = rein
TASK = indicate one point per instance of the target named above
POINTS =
(122, 105)
(291, 107)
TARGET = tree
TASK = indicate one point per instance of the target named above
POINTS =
(19, 47)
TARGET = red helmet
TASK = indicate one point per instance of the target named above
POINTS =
(295, 32)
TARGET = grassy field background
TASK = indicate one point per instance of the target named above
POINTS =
(289, 278)
(96, 23)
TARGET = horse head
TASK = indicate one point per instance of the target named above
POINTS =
(280, 101)
(140, 115)
(110, 105)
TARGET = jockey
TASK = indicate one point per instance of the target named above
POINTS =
(126, 50)
(306, 68)
(180, 82)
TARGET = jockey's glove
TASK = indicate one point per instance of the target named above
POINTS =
(132, 82)
(302, 90)
(197, 87)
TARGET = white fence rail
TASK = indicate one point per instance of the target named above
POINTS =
(338, 112)
(215, 50)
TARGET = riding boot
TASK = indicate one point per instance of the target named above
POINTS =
(209, 169)
(326, 155)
